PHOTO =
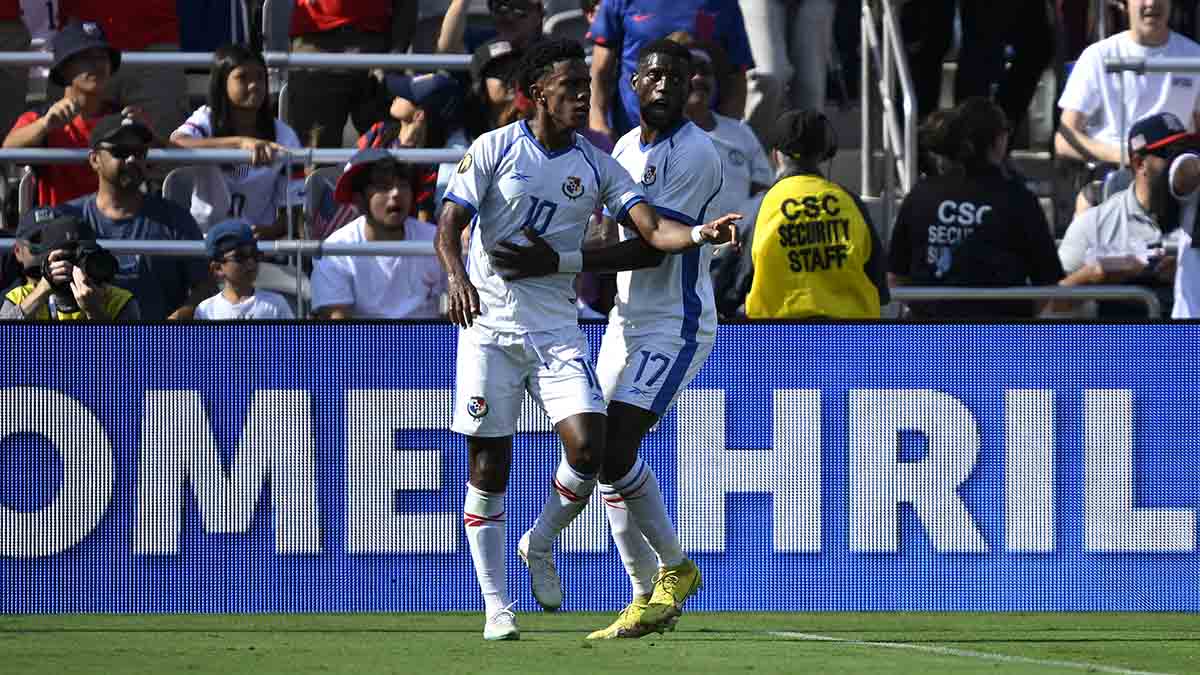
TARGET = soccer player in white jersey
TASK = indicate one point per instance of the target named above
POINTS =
(660, 333)
(538, 178)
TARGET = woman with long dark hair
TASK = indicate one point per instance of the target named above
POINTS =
(238, 117)
(975, 225)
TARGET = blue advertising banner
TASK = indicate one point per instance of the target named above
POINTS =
(304, 468)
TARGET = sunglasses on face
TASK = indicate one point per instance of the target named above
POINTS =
(124, 152)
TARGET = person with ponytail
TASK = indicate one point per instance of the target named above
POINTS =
(238, 117)
(974, 225)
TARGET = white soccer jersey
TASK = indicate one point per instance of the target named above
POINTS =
(743, 163)
(508, 179)
(681, 176)
(253, 193)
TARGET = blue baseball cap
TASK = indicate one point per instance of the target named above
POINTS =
(440, 95)
(75, 38)
(226, 236)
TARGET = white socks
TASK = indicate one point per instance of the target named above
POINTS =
(640, 561)
(569, 493)
(483, 519)
(644, 502)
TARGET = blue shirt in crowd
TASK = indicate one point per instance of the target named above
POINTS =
(629, 24)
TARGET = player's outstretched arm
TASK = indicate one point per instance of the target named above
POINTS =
(672, 236)
(464, 299)
(515, 262)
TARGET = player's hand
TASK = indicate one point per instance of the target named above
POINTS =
(723, 230)
(262, 152)
(61, 113)
(514, 262)
(463, 301)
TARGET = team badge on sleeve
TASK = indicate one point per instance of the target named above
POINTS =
(650, 175)
(572, 187)
(465, 165)
(477, 407)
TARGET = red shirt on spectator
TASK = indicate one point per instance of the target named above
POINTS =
(316, 16)
(130, 25)
(59, 183)
(10, 10)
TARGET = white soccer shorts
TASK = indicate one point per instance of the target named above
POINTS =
(495, 370)
(648, 371)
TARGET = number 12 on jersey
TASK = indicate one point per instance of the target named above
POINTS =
(540, 209)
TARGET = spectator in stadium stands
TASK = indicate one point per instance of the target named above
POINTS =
(492, 100)
(518, 22)
(791, 41)
(139, 25)
(83, 63)
(987, 28)
(14, 81)
(238, 117)
(623, 26)
(57, 250)
(426, 112)
(325, 98)
(233, 260)
(166, 287)
(974, 227)
(814, 251)
(378, 287)
(1093, 102)
(1122, 240)
(747, 171)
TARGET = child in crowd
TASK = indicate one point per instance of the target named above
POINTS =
(233, 258)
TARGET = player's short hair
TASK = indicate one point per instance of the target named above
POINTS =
(666, 48)
(540, 58)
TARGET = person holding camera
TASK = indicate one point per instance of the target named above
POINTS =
(67, 274)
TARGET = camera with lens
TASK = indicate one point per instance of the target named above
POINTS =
(97, 264)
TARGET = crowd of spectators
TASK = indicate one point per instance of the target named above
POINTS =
(752, 60)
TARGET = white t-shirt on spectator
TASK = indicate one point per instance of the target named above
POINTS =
(1097, 94)
(253, 193)
(380, 287)
(261, 305)
(743, 161)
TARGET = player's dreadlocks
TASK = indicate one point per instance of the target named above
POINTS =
(541, 57)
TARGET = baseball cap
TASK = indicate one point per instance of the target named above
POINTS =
(47, 229)
(440, 95)
(111, 126)
(1156, 132)
(362, 161)
(75, 38)
(226, 236)
(497, 58)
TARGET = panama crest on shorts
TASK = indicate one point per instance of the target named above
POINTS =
(477, 407)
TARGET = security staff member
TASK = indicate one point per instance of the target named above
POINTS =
(815, 252)
(973, 226)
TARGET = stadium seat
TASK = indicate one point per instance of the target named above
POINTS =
(1115, 181)
(26, 191)
(318, 187)
(277, 22)
(570, 24)
(178, 186)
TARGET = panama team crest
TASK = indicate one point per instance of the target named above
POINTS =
(649, 175)
(477, 407)
(572, 187)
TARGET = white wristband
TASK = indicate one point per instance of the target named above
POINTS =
(698, 234)
(570, 261)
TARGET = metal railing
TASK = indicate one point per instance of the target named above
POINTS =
(274, 59)
(1145, 296)
(35, 156)
(901, 294)
(899, 136)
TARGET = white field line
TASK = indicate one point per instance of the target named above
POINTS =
(965, 653)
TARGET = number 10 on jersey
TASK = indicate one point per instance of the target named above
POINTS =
(539, 210)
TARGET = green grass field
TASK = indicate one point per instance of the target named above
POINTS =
(553, 643)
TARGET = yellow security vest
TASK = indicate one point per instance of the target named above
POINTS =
(811, 245)
(114, 302)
